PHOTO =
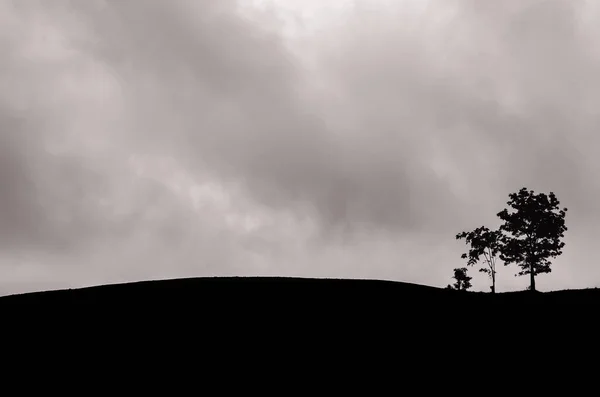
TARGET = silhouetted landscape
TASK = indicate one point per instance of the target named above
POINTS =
(244, 291)
(449, 144)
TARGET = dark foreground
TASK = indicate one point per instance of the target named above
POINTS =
(277, 292)
(287, 333)
(292, 316)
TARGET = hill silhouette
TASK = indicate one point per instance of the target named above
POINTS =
(272, 292)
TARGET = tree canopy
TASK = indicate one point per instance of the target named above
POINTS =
(483, 242)
(533, 230)
(463, 282)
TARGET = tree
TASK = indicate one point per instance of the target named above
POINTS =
(534, 230)
(486, 242)
(463, 282)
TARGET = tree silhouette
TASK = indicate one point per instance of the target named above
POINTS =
(463, 282)
(533, 230)
(486, 242)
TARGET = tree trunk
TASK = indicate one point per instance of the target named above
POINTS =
(531, 261)
(493, 282)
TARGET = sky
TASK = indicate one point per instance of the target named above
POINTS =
(152, 139)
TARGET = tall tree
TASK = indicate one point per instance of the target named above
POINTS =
(483, 242)
(533, 232)
(463, 282)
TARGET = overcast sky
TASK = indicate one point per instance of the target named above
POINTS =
(145, 139)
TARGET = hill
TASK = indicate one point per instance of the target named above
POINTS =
(276, 291)
(291, 317)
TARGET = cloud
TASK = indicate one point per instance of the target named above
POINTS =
(388, 129)
(244, 109)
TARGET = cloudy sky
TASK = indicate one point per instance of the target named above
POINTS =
(145, 139)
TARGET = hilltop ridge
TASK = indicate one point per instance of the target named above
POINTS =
(289, 289)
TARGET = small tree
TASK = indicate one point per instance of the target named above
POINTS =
(533, 230)
(486, 242)
(463, 282)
